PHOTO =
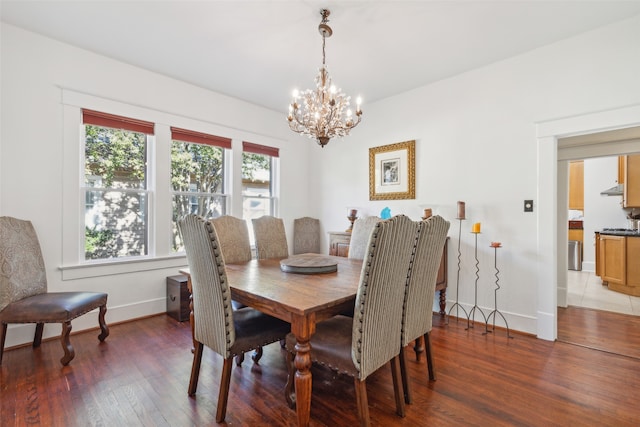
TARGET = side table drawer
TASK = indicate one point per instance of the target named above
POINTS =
(178, 298)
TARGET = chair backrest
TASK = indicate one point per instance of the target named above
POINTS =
(233, 235)
(22, 270)
(360, 236)
(210, 288)
(421, 282)
(270, 237)
(377, 317)
(306, 235)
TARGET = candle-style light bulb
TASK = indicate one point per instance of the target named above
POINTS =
(295, 94)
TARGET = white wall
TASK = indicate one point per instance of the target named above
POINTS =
(35, 73)
(476, 141)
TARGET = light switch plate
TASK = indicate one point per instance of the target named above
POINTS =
(528, 205)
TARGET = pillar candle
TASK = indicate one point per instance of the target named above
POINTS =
(461, 210)
(427, 213)
(476, 228)
(353, 212)
(496, 244)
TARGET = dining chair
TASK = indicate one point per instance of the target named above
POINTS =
(306, 235)
(362, 344)
(233, 235)
(24, 297)
(360, 236)
(226, 331)
(417, 318)
(270, 237)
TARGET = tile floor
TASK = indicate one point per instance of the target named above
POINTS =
(585, 290)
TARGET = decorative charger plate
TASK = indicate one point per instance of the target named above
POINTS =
(309, 264)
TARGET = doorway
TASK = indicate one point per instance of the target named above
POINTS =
(553, 199)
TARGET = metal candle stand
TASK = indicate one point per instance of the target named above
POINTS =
(456, 304)
(470, 320)
(495, 293)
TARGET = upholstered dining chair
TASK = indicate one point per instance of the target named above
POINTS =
(306, 235)
(270, 237)
(417, 318)
(226, 331)
(233, 235)
(361, 345)
(360, 236)
(23, 289)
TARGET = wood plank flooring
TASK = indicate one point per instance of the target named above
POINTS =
(139, 377)
(599, 329)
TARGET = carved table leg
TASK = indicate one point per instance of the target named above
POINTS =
(303, 381)
(418, 347)
(443, 301)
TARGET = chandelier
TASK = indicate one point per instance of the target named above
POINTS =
(323, 113)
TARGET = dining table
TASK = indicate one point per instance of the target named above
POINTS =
(286, 290)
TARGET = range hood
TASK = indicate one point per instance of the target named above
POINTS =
(616, 190)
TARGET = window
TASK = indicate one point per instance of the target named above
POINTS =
(257, 182)
(197, 177)
(115, 186)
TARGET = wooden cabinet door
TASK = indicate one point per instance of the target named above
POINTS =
(576, 185)
(633, 262)
(631, 198)
(613, 256)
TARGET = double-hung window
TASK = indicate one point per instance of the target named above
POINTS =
(197, 177)
(258, 165)
(115, 185)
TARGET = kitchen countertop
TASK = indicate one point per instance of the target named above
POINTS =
(620, 232)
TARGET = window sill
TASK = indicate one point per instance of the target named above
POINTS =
(113, 267)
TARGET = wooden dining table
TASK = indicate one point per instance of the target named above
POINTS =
(303, 300)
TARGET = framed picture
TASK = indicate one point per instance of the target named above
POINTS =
(392, 172)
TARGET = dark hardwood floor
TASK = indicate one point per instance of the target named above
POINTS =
(139, 377)
(602, 330)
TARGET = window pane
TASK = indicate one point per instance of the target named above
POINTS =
(115, 196)
(116, 158)
(197, 169)
(256, 175)
(115, 224)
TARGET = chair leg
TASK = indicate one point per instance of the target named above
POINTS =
(289, 388)
(103, 325)
(223, 394)
(257, 355)
(239, 359)
(363, 404)
(37, 337)
(69, 352)
(405, 378)
(3, 335)
(432, 369)
(418, 347)
(195, 369)
(397, 386)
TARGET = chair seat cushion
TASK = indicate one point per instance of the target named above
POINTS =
(255, 329)
(331, 345)
(52, 307)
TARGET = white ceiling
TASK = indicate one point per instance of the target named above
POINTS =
(260, 51)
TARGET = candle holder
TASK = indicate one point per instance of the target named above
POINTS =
(495, 246)
(457, 304)
(472, 318)
(352, 218)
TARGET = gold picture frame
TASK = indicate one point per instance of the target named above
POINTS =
(392, 174)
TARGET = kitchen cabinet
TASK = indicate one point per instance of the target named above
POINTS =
(339, 243)
(631, 166)
(617, 262)
(576, 185)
